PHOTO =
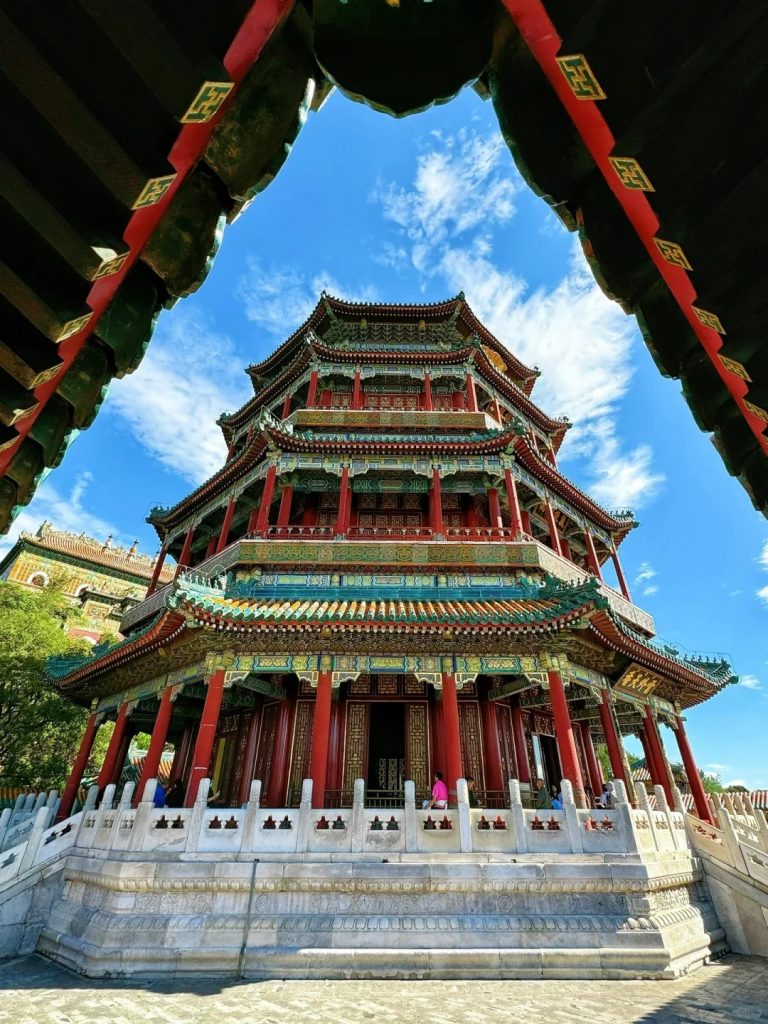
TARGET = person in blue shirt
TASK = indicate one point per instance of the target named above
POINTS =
(159, 800)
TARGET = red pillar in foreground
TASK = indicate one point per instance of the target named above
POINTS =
(451, 732)
(515, 519)
(595, 778)
(342, 515)
(78, 768)
(115, 745)
(186, 550)
(494, 509)
(206, 735)
(566, 744)
(650, 757)
(494, 776)
(692, 772)
(620, 574)
(321, 726)
(286, 407)
(436, 504)
(224, 535)
(284, 512)
(654, 738)
(157, 743)
(554, 536)
(156, 571)
(592, 561)
(278, 772)
(471, 393)
(521, 749)
(427, 392)
(356, 401)
(612, 739)
(262, 519)
(312, 391)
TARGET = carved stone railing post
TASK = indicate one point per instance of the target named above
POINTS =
(358, 823)
(518, 818)
(411, 821)
(571, 814)
(126, 797)
(108, 798)
(197, 817)
(33, 841)
(143, 815)
(643, 804)
(249, 818)
(305, 817)
(5, 819)
(663, 806)
(465, 818)
(625, 817)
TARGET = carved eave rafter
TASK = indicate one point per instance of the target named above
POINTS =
(231, 423)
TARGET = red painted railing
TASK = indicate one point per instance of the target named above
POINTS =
(297, 532)
(480, 533)
(389, 533)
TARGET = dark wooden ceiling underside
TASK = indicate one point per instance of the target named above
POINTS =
(94, 97)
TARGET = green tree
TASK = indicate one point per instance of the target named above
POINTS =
(711, 783)
(39, 730)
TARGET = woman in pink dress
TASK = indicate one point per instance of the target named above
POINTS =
(439, 793)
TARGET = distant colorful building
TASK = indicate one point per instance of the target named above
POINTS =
(104, 581)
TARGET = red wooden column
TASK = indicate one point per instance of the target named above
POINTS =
(494, 776)
(278, 772)
(342, 516)
(312, 391)
(592, 562)
(471, 393)
(497, 410)
(186, 550)
(156, 571)
(284, 512)
(612, 738)
(262, 519)
(650, 756)
(78, 768)
(521, 748)
(654, 737)
(356, 396)
(515, 519)
(224, 535)
(566, 744)
(206, 734)
(620, 574)
(249, 754)
(157, 743)
(427, 392)
(554, 536)
(451, 733)
(115, 745)
(436, 744)
(692, 772)
(321, 726)
(494, 509)
(595, 778)
(211, 547)
(436, 504)
(286, 411)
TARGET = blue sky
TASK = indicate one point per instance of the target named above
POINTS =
(369, 207)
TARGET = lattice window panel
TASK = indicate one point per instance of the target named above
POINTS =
(263, 766)
(417, 745)
(411, 502)
(329, 499)
(506, 742)
(302, 741)
(450, 501)
(388, 686)
(471, 743)
(356, 743)
(360, 687)
(367, 501)
(305, 689)
(413, 688)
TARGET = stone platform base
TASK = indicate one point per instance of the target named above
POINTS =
(416, 916)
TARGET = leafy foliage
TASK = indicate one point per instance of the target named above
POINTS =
(39, 730)
(711, 783)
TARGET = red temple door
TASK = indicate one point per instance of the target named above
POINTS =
(506, 742)
(417, 747)
(471, 742)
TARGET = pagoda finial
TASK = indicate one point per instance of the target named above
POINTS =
(107, 543)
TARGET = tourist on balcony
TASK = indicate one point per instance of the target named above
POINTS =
(557, 799)
(543, 797)
(605, 800)
(159, 798)
(439, 793)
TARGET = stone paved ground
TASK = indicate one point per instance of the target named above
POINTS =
(34, 991)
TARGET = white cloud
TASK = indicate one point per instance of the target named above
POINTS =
(649, 591)
(64, 511)
(279, 299)
(763, 594)
(645, 573)
(736, 782)
(189, 376)
(717, 768)
(750, 682)
(457, 187)
(762, 560)
(580, 339)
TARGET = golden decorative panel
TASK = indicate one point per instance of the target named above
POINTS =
(302, 741)
(154, 190)
(756, 410)
(207, 102)
(110, 266)
(73, 327)
(631, 173)
(638, 681)
(580, 77)
(708, 319)
(673, 253)
(734, 366)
